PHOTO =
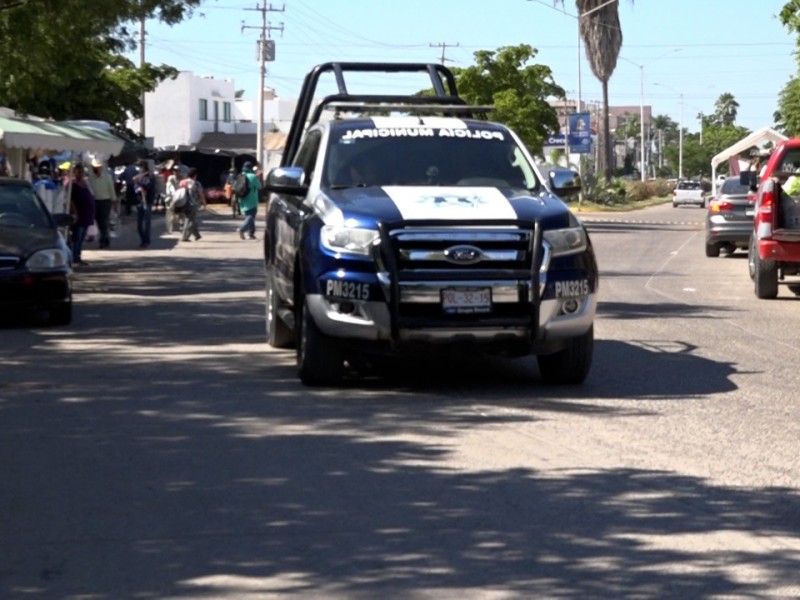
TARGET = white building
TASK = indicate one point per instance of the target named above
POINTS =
(192, 112)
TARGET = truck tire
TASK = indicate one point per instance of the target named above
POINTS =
(765, 276)
(751, 251)
(319, 359)
(571, 365)
(712, 250)
(279, 335)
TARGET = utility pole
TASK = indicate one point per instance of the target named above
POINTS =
(444, 46)
(141, 66)
(266, 52)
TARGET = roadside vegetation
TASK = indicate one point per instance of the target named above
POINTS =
(621, 195)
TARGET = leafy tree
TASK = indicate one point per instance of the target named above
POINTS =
(666, 130)
(602, 35)
(725, 109)
(787, 116)
(65, 59)
(697, 157)
(518, 90)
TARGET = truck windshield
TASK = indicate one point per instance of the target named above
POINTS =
(365, 156)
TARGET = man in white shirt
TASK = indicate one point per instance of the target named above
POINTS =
(102, 185)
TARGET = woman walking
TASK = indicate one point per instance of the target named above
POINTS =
(82, 207)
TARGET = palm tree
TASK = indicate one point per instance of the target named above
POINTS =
(602, 36)
(726, 108)
(661, 123)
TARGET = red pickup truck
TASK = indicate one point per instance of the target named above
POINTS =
(774, 253)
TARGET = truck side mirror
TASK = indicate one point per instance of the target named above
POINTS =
(286, 180)
(565, 182)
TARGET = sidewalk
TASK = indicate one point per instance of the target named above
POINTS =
(217, 228)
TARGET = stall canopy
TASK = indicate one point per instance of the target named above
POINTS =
(51, 136)
(765, 134)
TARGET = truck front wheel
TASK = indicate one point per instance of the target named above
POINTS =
(765, 276)
(571, 365)
(320, 360)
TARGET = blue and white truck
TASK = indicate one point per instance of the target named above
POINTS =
(410, 223)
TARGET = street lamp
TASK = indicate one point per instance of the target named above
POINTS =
(641, 103)
(680, 129)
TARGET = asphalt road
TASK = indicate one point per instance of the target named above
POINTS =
(158, 449)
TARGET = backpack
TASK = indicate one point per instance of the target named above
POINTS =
(179, 198)
(241, 187)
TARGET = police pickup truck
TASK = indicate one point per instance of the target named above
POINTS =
(409, 224)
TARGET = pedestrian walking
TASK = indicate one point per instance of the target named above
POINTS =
(105, 196)
(82, 207)
(144, 189)
(194, 203)
(230, 196)
(248, 200)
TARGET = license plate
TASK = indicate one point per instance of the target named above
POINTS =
(471, 301)
(749, 212)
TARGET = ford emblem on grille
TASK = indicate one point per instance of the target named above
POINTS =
(463, 255)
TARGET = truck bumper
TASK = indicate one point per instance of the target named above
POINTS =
(559, 319)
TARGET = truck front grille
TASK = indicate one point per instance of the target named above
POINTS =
(421, 261)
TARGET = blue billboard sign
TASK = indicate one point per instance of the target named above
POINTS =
(580, 133)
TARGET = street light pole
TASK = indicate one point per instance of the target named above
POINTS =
(641, 118)
(680, 129)
(680, 142)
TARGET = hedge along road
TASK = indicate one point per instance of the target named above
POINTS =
(158, 448)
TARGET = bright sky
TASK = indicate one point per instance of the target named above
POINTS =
(695, 48)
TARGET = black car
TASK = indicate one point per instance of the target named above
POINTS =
(729, 219)
(35, 262)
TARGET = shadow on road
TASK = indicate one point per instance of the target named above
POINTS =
(157, 448)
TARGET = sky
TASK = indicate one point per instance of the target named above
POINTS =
(678, 56)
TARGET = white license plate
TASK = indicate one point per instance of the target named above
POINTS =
(458, 301)
(749, 212)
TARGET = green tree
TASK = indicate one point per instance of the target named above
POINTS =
(697, 157)
(602, 35)
(725, 109)
(666, 129)
(65, 59)
(518, 90)
(787, 116)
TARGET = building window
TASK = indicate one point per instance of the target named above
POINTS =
(203, 110)
(226, 112)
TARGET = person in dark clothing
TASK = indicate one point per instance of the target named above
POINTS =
(126, 179)
(145, 190)
(82, 206)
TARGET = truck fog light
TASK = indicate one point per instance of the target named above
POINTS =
(569, 307)
(347, 308)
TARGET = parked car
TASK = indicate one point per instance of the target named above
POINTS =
(689, 192)
(729, 219)
(35, 262)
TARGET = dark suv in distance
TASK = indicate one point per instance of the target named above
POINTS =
(729, 219)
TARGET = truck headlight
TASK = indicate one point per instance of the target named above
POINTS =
(348, 240)
(566, 241)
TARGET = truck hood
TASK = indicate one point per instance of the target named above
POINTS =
(366, 206)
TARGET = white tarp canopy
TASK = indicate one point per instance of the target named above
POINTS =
(765, 134)
(51, 136)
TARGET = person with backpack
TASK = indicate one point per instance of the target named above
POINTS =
(230, 196)
(247, 188)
